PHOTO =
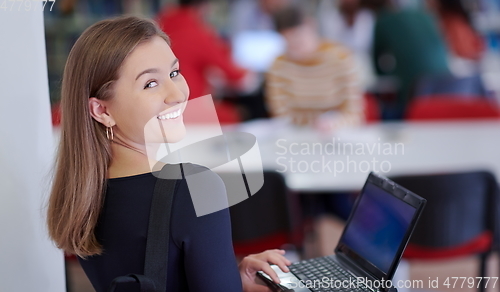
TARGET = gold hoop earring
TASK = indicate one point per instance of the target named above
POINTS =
(109, 133)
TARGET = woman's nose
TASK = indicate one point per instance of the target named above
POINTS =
(174, 94)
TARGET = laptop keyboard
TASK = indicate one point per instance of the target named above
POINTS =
(314, 271)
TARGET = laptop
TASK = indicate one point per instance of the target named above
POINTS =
(370, 248)
(256, 50)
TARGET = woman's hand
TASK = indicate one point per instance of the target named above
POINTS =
(328, 122)
(253, 263)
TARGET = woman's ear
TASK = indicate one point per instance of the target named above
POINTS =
(99, 112)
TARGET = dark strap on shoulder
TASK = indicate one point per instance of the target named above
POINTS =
(145, 283)
(156, 262)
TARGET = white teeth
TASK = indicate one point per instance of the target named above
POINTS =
(169, 116)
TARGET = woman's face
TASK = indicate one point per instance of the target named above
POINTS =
(301, 41)
(149, 96)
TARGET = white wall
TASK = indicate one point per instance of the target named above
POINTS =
(28, 260)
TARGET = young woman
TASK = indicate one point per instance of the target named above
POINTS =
(122, 80)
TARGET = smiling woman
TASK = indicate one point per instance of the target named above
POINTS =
(149, 93)
(122, 91)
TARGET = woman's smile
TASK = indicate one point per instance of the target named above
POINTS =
(170, 115)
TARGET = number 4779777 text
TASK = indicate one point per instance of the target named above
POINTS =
(26, 5)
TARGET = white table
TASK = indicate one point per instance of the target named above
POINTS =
(428, 148)
(423, 147)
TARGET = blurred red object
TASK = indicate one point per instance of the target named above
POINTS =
(448, 107)
(372, 110)
(56, 114)
(480, 244)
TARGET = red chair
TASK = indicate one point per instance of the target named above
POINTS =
(447, 107)
(372, 110)
(460, 218)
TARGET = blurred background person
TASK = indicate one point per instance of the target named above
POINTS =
(350, 23)
(255, 44)
(464, 42)
(314, 82)
(204, 55)
(407, 45)
(465, 48)
(245, 15)
(455, 22)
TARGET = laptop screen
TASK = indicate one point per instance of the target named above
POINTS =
(378, 226)
(257, 50)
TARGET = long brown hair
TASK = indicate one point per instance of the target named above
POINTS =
(84, 152)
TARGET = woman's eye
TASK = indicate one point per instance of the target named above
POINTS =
(150, 84)
(175, 73)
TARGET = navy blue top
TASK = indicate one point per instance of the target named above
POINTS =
(201, 256)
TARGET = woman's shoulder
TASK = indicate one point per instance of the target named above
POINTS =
(207, 189)
(198, 185)
(130, 184)
(185, 170)
(141, 176)
(193, 169)
(177, 171)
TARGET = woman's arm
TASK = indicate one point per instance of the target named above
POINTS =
(205, 241)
